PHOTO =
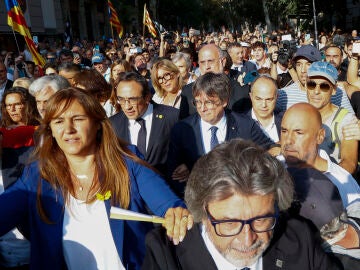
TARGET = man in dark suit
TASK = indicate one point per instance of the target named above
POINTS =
(238, 195)
(212, 59)
(240, 66)
(195, 135)
(263, 95)
(141, 123)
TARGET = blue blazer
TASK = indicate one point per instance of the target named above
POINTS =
(18, 207)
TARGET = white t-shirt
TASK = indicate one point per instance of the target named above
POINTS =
(87, 239)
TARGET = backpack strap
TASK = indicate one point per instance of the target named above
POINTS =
(339, 116)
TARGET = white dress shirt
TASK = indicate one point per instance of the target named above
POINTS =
(220, 261)
(206, 132)
(134, 126)
(270, 130)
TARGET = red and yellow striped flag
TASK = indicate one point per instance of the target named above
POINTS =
(114, 19)
(148, 22)
(16, 21)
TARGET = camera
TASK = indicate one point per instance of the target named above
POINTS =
(286, 51)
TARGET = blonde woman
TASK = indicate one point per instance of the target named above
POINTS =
(167, 82)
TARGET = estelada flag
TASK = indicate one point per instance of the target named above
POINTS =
(148, 22)
(16, 21)
(114, 19)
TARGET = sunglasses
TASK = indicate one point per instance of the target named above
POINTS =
(311, 85)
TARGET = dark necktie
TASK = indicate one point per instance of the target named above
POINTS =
(236, 68)
(141, 141)
(245, 268)
(213, 140)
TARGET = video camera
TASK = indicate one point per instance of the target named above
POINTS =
(286, 51)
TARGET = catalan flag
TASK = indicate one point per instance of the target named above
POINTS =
(114, 19)
(148, 22)
(16, 21)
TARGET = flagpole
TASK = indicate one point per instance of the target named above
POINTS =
(144, 20)
(17, 45)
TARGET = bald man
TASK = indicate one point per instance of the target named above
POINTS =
(263, 95)
(212, 59)
(301, 135)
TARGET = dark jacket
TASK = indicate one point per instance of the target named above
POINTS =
(293, 247)
(186, 144)
(163, 119)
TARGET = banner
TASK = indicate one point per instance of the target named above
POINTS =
(16, 21)
(114, 20)
(148, 22)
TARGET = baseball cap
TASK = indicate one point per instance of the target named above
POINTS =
(97, 58)
(309, 52)
(319, 197)
(323, 69)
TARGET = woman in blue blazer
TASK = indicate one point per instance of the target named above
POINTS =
(62, 200)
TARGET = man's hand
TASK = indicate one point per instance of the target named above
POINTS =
(181, 173)
(177, 221)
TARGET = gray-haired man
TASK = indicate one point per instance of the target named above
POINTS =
(237, 194)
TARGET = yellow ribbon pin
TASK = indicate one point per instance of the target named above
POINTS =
(104, 197)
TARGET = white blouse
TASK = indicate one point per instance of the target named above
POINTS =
(87, 239)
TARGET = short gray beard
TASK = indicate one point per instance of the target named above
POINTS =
(247, 261)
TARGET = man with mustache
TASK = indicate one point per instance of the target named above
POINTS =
(237, 194)
(301, 135)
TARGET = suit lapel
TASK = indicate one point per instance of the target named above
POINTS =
(192, 253)
(158, 120)
(198, 136)
(117, 230)
(231, 128)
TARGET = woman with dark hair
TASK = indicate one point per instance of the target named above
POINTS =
(18, 124)
(63, 198)
(117, 67)
(18, 108)
(95, 83)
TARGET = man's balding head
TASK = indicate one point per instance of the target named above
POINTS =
(211, 59)
(301, 135)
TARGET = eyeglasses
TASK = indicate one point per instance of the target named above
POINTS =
(311, 85)
(17, 105)
(165, 78)
(207, 103)
(131, 100)
(231, 227)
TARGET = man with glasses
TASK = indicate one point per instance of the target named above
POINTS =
(142, 123)
(197, 134)
(238, 195)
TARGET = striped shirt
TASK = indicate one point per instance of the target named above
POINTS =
(292, 94)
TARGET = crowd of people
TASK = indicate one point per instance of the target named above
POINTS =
(246, 146)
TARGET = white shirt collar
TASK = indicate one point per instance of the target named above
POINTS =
(220, 261)
(221, 125)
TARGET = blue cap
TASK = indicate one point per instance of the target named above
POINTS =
(309, 52)
(323, 69)
(97, 58)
